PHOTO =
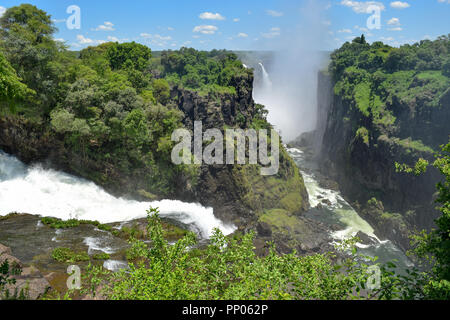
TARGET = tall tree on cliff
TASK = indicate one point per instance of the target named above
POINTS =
(27, 42)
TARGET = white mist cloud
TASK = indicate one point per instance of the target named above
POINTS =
(290, 91)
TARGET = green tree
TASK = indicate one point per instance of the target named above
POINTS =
(12, 90)
(161, 91)
(129, 55)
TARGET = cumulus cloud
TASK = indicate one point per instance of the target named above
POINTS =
(274, 13)
(236, 20)
(83, 40)
(394, 22)
(345, 31)
(2, 10)
(444, 1)
(400, 5)
(205, 29)
(361, 6)
(242, 35)
(211, 16)
(106, 26)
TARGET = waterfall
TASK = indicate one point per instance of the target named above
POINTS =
(51, 193)
(267, 83)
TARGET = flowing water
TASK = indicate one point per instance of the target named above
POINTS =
(329, 207)
(51, 193)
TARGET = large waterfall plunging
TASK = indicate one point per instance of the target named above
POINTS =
(267, 83)
(55, 194)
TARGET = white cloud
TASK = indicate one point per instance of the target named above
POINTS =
(2, 10)
(83, 40)
(58, 20)
(106, 26)
(361, 6)
(400, 5)
(236, 20)
(60, 39)
(444, 1)
(345, 31)
(155, 36)
(396, 29)
(170, 28)
(205, 29)
(211, 16)
(274, 13)
(274, 32)
(242, 35)
(394, 22)
(156, 39)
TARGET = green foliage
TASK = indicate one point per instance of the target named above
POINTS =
(56, 223)
(202, 71)
(229, 269)
(7, 273)
(161, 90)
(26, 40)
(435, 245)
(129, 56)
(419, 167)
(66, 255)
(363, 133)
(101, 256)
(12, 90)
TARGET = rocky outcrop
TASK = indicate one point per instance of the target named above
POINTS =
(27, 282)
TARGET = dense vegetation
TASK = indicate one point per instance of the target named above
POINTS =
(381, 82)
(111, 103)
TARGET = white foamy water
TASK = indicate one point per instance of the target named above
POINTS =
(51, 193)
(339, 209)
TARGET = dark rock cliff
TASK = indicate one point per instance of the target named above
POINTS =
(364, 166)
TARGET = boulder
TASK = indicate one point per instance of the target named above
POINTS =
(366, 239)
(264, 229)
(29, 282)
(4, 249)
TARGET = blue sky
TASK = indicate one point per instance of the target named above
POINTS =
(243, 25)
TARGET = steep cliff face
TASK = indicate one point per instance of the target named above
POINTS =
(360, 155)
(238, 193)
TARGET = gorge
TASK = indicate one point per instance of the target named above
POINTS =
(87, 173)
